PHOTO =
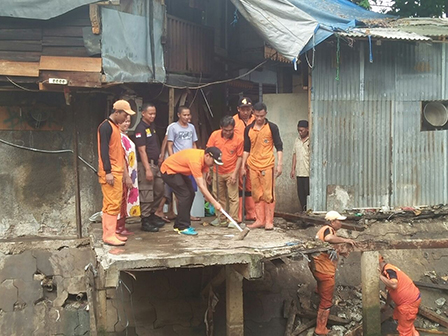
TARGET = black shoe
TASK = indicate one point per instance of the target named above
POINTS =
(157, 221)
(148, 226)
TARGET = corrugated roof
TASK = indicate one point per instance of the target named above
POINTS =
(386, 33)
(433, 27)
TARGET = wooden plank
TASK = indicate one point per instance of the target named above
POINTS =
(303, 327)
(21, 46)
(21, 34)
(11, 68)
(430, 315)
(65, 51)
(75, 79)
(62, 41)
(95, 19)
(63, 31)
(20, 56)
(430, 285)
(332, 319)
(82, 64)
(317, 220)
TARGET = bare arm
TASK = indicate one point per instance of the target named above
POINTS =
(293, 166)
(126, 178)
(195, 145)
(390, 283)
(279, 163)
(163, 148)
(170, 148)
(333, 239)
(243, 163)
(204, 190)
(145, 162)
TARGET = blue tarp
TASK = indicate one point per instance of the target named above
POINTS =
(308, 22)
(333, 15)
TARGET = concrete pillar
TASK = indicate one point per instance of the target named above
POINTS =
(371, 315)
(234, 302)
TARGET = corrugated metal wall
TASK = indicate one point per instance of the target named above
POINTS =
(366, 127)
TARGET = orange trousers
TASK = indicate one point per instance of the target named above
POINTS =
(262, 185)
(112, 195)
(406, 314)
(325, 289)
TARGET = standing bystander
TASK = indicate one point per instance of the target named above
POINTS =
(225, 178)
(260, 138)
(243, 118)
(110, 170)
(150, 181)
(300, 168)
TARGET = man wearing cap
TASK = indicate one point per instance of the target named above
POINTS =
(402, 290)
(226, 176)
(243, 118)
(260, 138)
(300, 168)
(111, 169)
(176, 170)
(150, 183)
(323, 266)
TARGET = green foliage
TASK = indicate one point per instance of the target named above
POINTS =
(421, 8)
(362, 3)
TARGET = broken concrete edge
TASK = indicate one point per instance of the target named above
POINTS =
(10, 247)
(249, 263)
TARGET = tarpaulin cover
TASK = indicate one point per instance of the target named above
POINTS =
(39, 9)
(270, 17)
(126, 49)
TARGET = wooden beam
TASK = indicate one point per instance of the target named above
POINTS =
(430, 285)
(32, 34)
(21, 46)
(95, 18)
(332, 319)
(79, 64)
(170, 105)
(75, 79)
(12, 68)
(430, 315)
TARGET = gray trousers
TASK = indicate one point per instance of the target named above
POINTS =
(150, 193)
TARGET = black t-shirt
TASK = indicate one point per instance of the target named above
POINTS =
(145, 135)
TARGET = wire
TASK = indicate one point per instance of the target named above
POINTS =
(21, 87)
(217, 82)
(58, 151)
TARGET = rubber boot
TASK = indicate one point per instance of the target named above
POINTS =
(250, 208)
(269, 214)
(109, 227)
(321, 322)
(259, 215)
(415, 332)
(121, 228)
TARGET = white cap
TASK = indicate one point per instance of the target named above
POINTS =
(333, 215)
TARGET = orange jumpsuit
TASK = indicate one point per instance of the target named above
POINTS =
(324, 271)
(260, 146)
(406, 297)
(110, 160)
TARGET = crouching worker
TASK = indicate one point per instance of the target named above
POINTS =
(401, 290)
(323, 266)
(176, 170)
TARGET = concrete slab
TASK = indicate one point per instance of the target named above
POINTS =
(213, 246)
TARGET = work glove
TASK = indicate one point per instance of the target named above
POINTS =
(333, 255)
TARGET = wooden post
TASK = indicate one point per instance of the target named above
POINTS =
(234, 302)
(371, 319)
(170, 105)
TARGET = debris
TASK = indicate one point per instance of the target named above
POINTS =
(354, 316)
(432, 331)
(303, 327)
(290, 310)
(430, 285)
(430, 315)
(338, 330)
(431, 274)
(440, 301)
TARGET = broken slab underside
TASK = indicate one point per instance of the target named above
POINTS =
(146, 251)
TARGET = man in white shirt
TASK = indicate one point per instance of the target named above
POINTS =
(300, 168)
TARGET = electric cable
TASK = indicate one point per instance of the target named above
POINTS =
(19, 86)
(45, 151)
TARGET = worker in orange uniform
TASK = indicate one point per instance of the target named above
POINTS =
(260, 137)
(401, 290)
(176, 170)
(111, 169)
(323, 266)
(243, 118)
(226, 176)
